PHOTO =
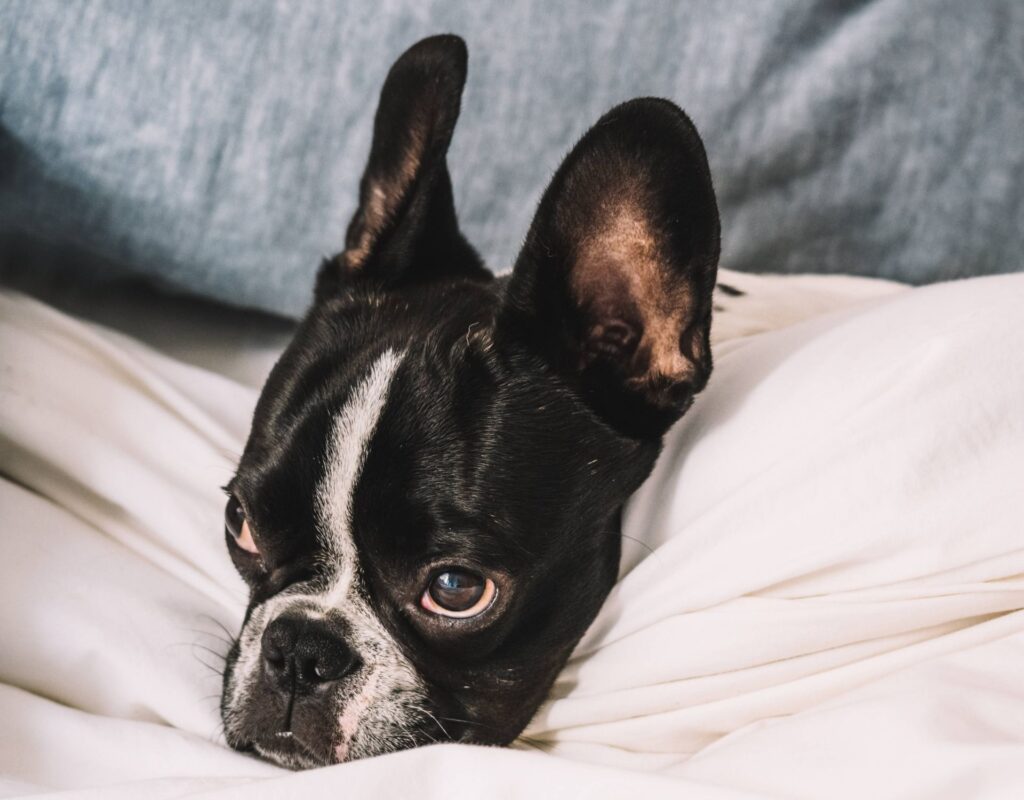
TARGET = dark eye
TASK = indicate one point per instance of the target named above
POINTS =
(238, 527)
(458, 593)
(234, 516)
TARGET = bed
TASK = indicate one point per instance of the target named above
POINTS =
(821, 590)
(822, 582)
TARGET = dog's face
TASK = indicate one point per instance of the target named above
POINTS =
(427, 509)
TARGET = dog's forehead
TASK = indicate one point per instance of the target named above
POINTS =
(473, 466)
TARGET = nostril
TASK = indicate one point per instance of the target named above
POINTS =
(277, 645)
(274, 658)
(317, 670)
(328, 666)
(321, 656)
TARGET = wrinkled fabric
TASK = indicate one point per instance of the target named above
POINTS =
(821, 591)
(217, 147)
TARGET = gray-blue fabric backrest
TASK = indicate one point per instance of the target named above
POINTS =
(217, 146)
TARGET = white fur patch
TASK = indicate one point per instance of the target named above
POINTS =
(352, 433)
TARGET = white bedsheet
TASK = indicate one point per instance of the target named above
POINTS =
(821, 592)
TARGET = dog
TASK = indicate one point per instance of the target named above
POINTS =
(427, 510)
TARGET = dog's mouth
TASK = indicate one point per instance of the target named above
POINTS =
(289, 750)
(271, 730)
(309, 746)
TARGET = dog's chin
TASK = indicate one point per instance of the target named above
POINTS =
(288, 750)
(296, 750)
(301, 748)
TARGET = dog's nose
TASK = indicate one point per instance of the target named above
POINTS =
(300, 654)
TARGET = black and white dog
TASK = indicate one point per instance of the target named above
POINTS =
(427, 510)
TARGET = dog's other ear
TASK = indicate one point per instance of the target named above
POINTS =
(613, 286)
(405, 229)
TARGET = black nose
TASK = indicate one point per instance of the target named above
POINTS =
(300, 654)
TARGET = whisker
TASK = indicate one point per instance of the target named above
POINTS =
(220, 734)
(227, 643)
(219, 624)
(214, 669)
(468, 722)
(220, 655)
(531, 743)
(442, 727)
(223, 657)
(644, 545)
(423, 710)
(410, 737)
(432, 739)
(524, 739)
(472, 722)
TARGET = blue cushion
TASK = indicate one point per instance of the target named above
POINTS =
(216, 147)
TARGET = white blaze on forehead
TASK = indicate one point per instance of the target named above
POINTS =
(350, 438)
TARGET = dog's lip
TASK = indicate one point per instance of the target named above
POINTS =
(289, 747)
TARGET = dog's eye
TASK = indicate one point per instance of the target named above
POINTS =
(457, 593)
(234, 518)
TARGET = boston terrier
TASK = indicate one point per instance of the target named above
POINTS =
(427, 511)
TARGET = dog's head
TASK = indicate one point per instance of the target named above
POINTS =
(427, 509)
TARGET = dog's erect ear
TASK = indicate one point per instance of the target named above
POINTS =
(613, 286)
(405, 229)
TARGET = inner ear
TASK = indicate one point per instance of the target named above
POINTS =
(635, 310)
(405, 228)
(613, 285)
(386, 189)
(416, 116)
